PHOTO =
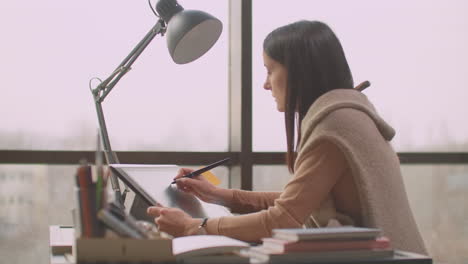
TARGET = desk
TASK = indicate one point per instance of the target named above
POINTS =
(401, 257)
(63, 255)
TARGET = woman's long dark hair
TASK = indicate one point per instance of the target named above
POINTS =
(315, 62)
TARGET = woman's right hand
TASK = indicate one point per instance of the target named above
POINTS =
(202, 188)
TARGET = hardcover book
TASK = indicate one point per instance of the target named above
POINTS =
(264, 254)
(330, 233)
(325, 245)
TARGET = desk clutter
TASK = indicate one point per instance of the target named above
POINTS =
(104, 232)
(189, 250)
(223, 250)
(96, 215)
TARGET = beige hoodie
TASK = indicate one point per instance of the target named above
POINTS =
(341, 135)
(347, 118)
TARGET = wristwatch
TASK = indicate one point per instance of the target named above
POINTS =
(201, 227)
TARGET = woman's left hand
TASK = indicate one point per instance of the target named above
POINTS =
(174, 221)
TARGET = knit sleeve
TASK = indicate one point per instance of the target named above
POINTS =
(315, 176)
(248, 201)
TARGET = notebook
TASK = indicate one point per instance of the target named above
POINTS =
(152, 184)
(190, 246)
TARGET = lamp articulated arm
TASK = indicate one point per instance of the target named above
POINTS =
(104, 88)
(191, 34)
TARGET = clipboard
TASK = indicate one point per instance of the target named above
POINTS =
(152, 184)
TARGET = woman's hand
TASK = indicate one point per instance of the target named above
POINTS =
(174, 221)
(202, 188)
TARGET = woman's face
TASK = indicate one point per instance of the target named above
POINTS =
(276, 81)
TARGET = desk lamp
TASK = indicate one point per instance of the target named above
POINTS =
(189, 35)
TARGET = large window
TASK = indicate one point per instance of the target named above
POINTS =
(32, 197)
(50, 51)
(414, 55)
(412, 52)
(438, 195)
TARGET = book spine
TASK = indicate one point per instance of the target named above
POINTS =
(78, 214)
(342, 256)
(380, 243)
(86, 192)
(327, 233)
(84, 183)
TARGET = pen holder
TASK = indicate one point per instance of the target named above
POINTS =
(122, 250)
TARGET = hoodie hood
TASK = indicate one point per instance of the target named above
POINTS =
(345, 98)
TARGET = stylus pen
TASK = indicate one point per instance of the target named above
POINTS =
(204, 169)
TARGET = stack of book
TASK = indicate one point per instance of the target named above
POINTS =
(324, 245)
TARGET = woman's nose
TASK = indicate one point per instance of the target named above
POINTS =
(266, 86)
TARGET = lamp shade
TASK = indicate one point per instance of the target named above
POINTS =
(189, 33)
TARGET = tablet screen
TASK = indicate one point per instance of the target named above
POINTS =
(152, 183)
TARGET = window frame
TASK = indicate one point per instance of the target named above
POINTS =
(240, 123)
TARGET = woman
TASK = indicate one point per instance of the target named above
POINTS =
(345, 170)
